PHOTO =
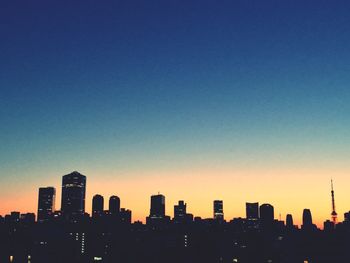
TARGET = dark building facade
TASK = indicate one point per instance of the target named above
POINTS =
(289, 221)
(267, 215)
(114, 205)
(180, 211)
(73, 194)
(307, 219)
(252, 210)
(46, 203)
(125, 216)
(347, 216)
(157, 206)
(97, 205)
(218, 207)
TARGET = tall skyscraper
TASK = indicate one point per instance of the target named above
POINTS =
(267, 215)
(157, 206)
(307, 219)
(97, 205)
(46, 203)
(180, 212)
(73, 194)
(252, 210)
(289, 221)
(218, 210)
(114, 205)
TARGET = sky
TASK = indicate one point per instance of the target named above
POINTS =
(237, 100)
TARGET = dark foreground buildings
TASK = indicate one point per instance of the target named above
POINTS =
(110, 236)
(46, 203)
(73, 196)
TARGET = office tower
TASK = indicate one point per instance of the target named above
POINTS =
(114, 205)
(97, 205)
(289, 221)
(157, 206)
(252, 210)
(180, 212)
(266, 214)
(73, 194)
(218, 210)
(46, 203)
(347, 217)
(307, 219)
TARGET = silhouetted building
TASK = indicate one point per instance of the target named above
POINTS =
(347, 216)
(289, 221)
(125, 215)
(157, 217)
(73, 195)
(15, 216)
(46, 203)
(157, 206)
(218, 210)
(252, 210)
(252, 216)
(328, 226)
(307, 220)
(307, 217)
(180, 212)
(267, 215)
(97, 206)
(27, 219)
(114, 205)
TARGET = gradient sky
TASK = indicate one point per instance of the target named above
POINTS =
(200, 100)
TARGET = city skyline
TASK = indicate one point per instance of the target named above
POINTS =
(241, 101)
(76, 184)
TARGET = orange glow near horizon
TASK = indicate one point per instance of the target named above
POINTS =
(288, 191)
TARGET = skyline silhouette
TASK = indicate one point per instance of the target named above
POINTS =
(110, 235)
(73, 201)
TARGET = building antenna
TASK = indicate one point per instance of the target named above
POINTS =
(334, 213)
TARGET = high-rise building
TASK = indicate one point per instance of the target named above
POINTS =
(347, 216)
(180, 211)
(252, 210)
(307, 219)
(218, 210)
(267, 215)
(157, 217)
(73, 194)
(114, 205)
(157, 206)
(289, 221)
(46, 203)
(97, 205)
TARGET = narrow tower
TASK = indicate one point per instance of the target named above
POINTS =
(334, 213)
